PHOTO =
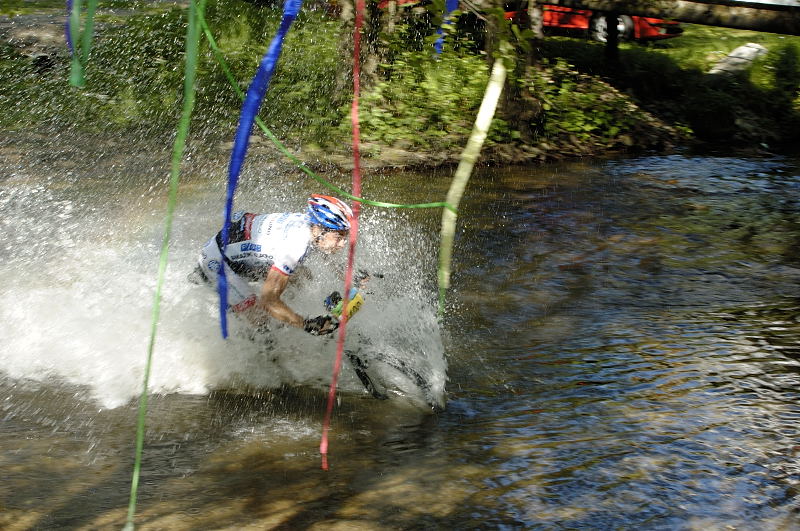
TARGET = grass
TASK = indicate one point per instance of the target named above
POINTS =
(669, 79)
(25, 7)
(701, 46)
(12, 8)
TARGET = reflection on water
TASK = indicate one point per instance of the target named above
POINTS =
(646, 374)
(622, 348)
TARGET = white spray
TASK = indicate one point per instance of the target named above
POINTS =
(79, 265)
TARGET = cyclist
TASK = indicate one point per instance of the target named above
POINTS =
(268, 248)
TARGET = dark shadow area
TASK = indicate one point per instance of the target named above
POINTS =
(720, 109)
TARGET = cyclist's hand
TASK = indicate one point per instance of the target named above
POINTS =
(320, 325)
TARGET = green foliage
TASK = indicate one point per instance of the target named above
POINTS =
(414, 31)
(306, 95)
(18, 7)
(571, 100)
(699, 47)
(24, 7)
(139, 69)
(425, 101)
(669, 80)
(784, 63)
(135, 75)
(302, 101)
(578, 106)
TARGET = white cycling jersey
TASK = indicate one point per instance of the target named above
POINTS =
(257, 243)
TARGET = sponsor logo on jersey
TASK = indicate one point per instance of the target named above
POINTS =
(251, 256)
(213, 265)
(250, 247)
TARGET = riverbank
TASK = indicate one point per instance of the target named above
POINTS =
(569, 106)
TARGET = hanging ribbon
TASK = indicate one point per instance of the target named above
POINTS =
(252, 102)
(178, 148)
(467, 161)
(73, 12)
(449, 7)
(348, 275)
(74, 33)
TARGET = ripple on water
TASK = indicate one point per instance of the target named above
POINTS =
(623, 353)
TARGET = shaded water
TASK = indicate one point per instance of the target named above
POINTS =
(622, 351)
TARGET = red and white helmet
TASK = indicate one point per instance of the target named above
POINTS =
(329, 212)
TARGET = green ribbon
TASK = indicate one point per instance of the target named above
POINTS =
(79, 61)
(190, 71)
(468, 157)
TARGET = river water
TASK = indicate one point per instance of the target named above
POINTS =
(621, 350)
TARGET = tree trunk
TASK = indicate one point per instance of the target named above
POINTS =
(724, 13)
(391, 16)
(536, 16)
(490, 40)
(344, 80)
(521, 108)
(612, 40)
(372, 52)
(369, 46)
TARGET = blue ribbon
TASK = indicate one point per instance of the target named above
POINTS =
(252, 102)
(68, 28)
(449, 7)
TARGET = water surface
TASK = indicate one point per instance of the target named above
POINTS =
(621, 349)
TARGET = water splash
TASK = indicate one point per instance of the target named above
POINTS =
(79, 264)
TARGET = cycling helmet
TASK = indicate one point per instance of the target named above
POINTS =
(329, 212)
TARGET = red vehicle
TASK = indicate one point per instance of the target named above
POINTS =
(594, 22)
(631, 28)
